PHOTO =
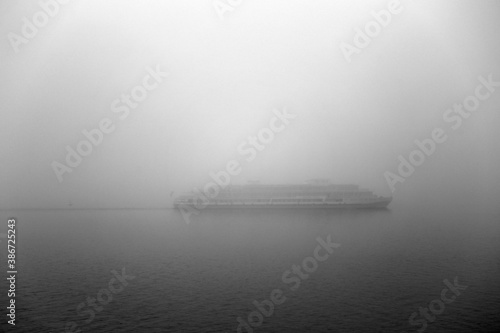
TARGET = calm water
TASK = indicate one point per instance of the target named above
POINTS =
(201, 277)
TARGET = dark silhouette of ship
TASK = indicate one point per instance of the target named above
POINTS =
(315, 193)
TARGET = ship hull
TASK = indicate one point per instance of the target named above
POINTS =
(371, 205)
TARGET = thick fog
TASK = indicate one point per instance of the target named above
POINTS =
(177, 89)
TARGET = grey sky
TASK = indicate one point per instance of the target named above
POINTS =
(225, 78)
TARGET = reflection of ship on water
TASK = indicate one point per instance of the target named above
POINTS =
(315, 193)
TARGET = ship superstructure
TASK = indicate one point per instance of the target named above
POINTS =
(315, 193)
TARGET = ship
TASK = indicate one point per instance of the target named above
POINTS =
(314, 193)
